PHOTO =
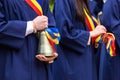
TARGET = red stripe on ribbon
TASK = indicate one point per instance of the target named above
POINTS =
(34, 7)
(30, 3)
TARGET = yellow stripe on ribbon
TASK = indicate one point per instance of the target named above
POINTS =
(56, 41)
(37, 5)
(110, 45)
(91, 24)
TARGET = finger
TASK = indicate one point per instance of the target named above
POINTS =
(55, 54)
(101, 27)
(46, 58)
(104, 28)
(46, 25)
(41, 57)
(104, 37)
(51, 57)
(51, 61)
(45, 18)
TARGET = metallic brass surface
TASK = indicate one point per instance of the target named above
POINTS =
(44, 46)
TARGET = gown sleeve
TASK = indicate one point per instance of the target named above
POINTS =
(99, 6)
(73, 33)
(93, 5)
(111, 18)
(12, 32)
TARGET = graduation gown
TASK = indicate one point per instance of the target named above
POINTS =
(76, 60)
(103, 60)
(96, 6)
(17, 51)
(111, 20)
(93, 5)
(99, 6)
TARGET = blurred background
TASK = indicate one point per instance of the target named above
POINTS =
(51, 4)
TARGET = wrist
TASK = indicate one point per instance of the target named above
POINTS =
(34, 27)
(91, 34)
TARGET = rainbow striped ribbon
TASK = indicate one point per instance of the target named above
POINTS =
(36, 6)
(110, 45)
(91, 24)
(51, 33)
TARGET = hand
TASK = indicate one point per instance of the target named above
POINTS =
(105, 38)
(40, 22)
(49, 59)
(100, 29)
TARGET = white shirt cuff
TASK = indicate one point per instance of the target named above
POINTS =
(30, 28)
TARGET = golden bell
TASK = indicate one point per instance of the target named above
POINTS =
(44, 46)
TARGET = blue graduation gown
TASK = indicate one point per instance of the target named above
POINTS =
(111, 20)
(76, 60)
(17, 51)
(96, 6)
(99, 6)
(103, 60)
(93, 6)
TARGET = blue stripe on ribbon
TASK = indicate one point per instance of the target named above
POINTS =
(52, 32)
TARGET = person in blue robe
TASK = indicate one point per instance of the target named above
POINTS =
(103, 61)
(19, 59)
(96, 7)
(111, 19)
(76, 60)
(93, 5)
(99, 6)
